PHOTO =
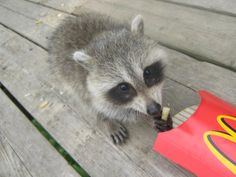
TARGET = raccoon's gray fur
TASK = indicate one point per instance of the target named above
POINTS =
(109, 64)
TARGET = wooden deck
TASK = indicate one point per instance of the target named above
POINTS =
(201, 40)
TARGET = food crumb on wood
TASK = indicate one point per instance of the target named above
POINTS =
(38, 22)
(43, 104)
(59, 15)
(27, 94)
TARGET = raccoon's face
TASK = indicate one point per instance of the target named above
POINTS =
(126, 73)
(139, 87)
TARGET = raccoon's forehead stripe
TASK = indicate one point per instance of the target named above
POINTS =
(137, 75)
(124, 70)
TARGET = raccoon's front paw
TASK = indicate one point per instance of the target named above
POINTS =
(163, 125)
(119, 134)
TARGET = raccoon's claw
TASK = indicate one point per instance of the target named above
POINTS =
(119, 136)
(162, 125)
(117, 132)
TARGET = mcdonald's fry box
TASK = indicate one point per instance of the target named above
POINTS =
(205, 143)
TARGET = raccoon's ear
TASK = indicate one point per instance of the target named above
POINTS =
(137, 25)
(83, 59)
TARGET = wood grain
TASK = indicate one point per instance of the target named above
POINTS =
(24, 152)
(222, 6)
(10, 163)
(68, 5)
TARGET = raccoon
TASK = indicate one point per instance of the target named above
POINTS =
(116, 70)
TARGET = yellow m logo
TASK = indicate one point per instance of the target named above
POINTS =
(230, 135)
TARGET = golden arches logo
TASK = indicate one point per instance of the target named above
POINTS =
(229, 134)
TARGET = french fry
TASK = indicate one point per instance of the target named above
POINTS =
(165, 113)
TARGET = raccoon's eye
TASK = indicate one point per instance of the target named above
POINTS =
(121, 93)
(147, 73)
(124, 87)
(153, 74)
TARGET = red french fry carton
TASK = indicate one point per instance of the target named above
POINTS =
(206, 143)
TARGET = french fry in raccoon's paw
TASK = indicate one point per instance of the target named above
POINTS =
(165, 113)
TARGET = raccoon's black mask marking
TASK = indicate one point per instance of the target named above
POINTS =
(153, 74)
(122, 93)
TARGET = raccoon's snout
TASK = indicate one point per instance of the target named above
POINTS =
(154, 109)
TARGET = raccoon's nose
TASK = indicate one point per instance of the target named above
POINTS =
(154, 109)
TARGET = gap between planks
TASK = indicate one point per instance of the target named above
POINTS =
(25, 37)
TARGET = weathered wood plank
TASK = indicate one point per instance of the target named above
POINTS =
(222, 6)
(183, 115)
(202, 75)
(227, 7)
(68, 5)
(205, 35)
(10, 163)
(140, 155)
(24, 150)
(5, 36)
(35, 29)
(183, 69)
(199, 33)
(75, 128)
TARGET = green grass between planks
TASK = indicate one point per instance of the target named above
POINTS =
(45, 133)
(60, 149)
